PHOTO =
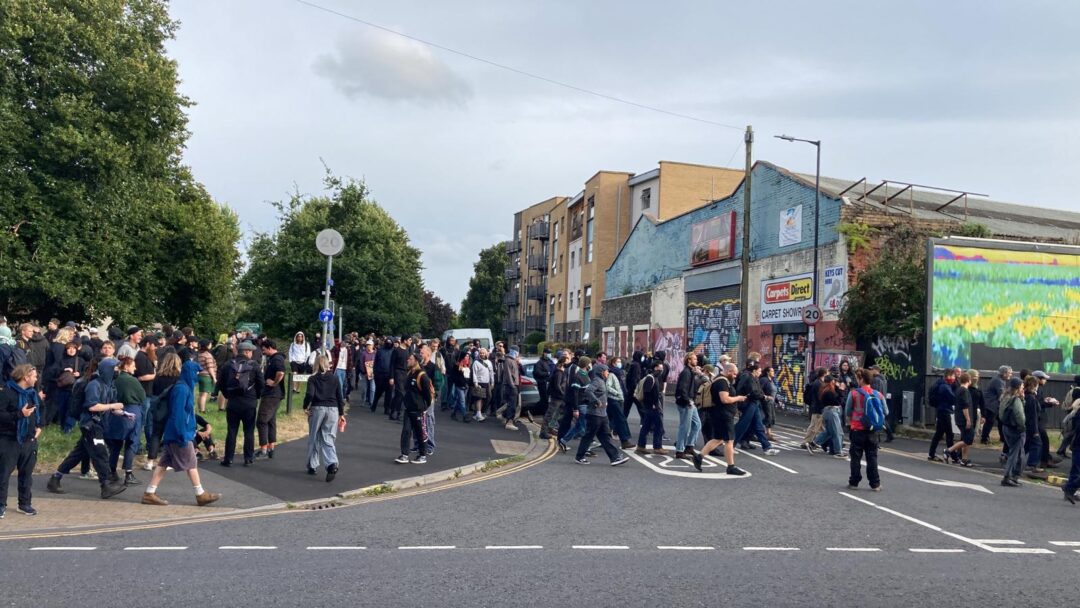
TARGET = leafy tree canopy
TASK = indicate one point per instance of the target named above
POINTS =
(483, 304)
(439, 315)
(889, 297)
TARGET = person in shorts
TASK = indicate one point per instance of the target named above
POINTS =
(178, 449)
(722, 418)
(966, 417)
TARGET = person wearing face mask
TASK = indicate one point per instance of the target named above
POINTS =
(616, 415)
(943, 399)
(653, 406)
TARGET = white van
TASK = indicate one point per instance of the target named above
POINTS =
(467, 335)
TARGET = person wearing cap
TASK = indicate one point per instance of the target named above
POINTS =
(365, 373)
(993, 394)
(272, 394)
(1013, 421)
(594, 399)
(241, 382)
(130, 346)
(1045, 401)
(95, 341)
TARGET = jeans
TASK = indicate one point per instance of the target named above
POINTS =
(366, 386)
(236, 417)
(322, 437)
(653, 422)
(23, 457)
(1033, 445)
(596, 427)
(833, 433)
(457, 400)
(147, 427)
(752, 421)
(943, 427)
(689, 427)
(1015, 439)
(510, 400)
(266, 422)
(617, 420)
(864, 442)
(578, 428)
(343, 383)
(63, 399)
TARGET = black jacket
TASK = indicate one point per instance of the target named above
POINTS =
(684, 387)
(557, 384)
(634, 373)
(418, 392)
(324, 390)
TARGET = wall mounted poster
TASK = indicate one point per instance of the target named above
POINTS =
(791, 226)
(835, 285)
(713, 240)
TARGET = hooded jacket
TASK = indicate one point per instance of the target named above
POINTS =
(99, 390)
(180, 426)
(298, 353)
(635, 372)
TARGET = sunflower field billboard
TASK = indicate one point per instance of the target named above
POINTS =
(998, 303)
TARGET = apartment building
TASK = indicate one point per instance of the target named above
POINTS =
(564, 246)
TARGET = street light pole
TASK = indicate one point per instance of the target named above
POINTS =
(817, 225)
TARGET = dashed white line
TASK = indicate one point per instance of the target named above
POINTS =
(600, 547)
(62, 548)
(770, 549)
(938, 550)
(994, 541)
(854, 549)
(155, 548)
(247, 548)
(1065, 543)
(514, 547)
(341, 548)
(428, 548)
(675, 548)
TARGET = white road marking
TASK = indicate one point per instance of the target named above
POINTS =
(428, 548)
(770, 548)
(690, 474)
(854, 549)
(1065, 543)
(514, 547)
(958, 537)
(937, 550)
(247, 548)
(674, 548)
(766, 461)
(336, 548)
(155, 548)
(600, 547)
(991, 541)
(938, 482)
(62, 548)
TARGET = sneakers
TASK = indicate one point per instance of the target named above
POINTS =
(510, 426)
(260, 453)
(3, 512)
(933, 458)
(311, 470)
(620, 460)
(27, 510)
(877, 489)
(772, 452)
(698, 459)
(682, 456)
(420, 460)
(331, 473)
(840, 456)
(148, 465)
(852, 486)
(403, 459)
(112, 489)
(153, 499)
(811, 447)
(212, 455)
(590, 453)
(967, 464)
(1008, 482)
(90, 475)
(129, 479)
(581, 461)
(734, 470)
(206, 498)
(54, 486)
(563, 447)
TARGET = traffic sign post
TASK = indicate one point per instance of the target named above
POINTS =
(811, 314)
(329, 242)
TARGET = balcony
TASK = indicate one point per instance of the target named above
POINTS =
(512, 326)
(512, 299)
(534, 323)
(513, 273)
(512, 247)
(539, 262)
(539, 231)
(536, 291)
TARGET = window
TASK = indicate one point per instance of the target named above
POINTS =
(561, 260)
(571, 260)
(570, 301)
(588, 308)
(579, 298)
(560, 301)
(590, 229)
(556, 237)
(646, 198)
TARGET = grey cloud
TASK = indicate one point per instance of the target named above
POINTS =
(384, 66)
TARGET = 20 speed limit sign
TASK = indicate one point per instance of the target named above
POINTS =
(811, 314)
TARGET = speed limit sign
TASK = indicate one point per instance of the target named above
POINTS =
(811, 314)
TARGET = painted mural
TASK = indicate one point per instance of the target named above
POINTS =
(789, 358)
(716, 325)
(673, 342)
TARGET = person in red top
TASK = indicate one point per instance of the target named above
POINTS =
(863, 439)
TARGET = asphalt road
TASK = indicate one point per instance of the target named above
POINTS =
(652, 533)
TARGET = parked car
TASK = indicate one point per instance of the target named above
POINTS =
(530, 395)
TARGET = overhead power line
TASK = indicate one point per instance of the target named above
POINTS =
(503, 66)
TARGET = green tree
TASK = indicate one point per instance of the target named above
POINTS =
(439, 316)
(889, 297)
(483, 304)
(96, 205)
(376, 277)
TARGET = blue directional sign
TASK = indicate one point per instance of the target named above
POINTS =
(326, 315)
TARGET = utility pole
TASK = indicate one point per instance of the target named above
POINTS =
(340, 320)
(744, 284)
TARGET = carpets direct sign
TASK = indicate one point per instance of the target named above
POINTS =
(783, 299)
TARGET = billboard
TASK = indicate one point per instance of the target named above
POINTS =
(995, 303)
(713, 240)
(783, 299)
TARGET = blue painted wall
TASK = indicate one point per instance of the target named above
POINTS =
(656, 253)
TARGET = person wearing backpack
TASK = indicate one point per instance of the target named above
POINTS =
(866, 409)
(241, 381)
(721, 416)
(419, 395)
(751, 422)
(1013, 421)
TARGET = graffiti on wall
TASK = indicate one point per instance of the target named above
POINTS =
(609, 342)
(831, 358)
(893, 356)
(716, 326)
(673, 342)
(789, 359)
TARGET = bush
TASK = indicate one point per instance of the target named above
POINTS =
(533, 340)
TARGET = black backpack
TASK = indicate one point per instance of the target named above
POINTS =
(10, 358)
(159, 407)
(241, 379)
(77, 401)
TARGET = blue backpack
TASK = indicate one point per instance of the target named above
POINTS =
(873, 411)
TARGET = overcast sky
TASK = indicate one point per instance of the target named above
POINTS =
(976, 95)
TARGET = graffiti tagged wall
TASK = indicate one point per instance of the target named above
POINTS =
(673, 342)
(712, 319)
(789, 358)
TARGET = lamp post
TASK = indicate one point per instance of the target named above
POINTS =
(817, 224)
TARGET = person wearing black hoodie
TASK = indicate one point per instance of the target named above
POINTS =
(943, 399)
(557, 386)
(634, 374)
(383, 371)
(399, 371)
(419, 394)
(242, 383)
(324, 405)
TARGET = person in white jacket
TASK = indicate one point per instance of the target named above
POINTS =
(483, 376)
(299, 352)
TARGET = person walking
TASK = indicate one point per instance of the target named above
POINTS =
(556, 396)
(768, 403)
(542, 375)
(689, 419)
(21, 422)
(207, 374)
(965, 417)
(365, 372)
(458, 376)
(864, 439)
(1073, 483)
(299, 352)
(341, 363)
(400, 369)
(634, 374)
(831, 438)
(751, 421)
(652, 403)
(810, 398)
(483, 376)
(241, 381)
(122, 431)
(616, 385)
(324, 405)
(178, 449)
(1032, 437)
(578, 382)
(722, 419)
(272, 394)
(1013, 423)
(384, 372)
(419, 395)
(943, 400)
(167, 375)
(994, 391)
(595, 397)
(511, 388)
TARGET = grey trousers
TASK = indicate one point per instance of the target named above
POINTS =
(322, 435)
